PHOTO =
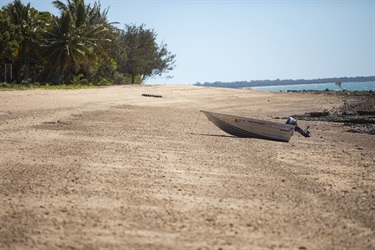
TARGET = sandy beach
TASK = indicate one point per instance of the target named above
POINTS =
(108, 168)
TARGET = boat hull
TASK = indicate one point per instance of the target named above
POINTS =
(251, 128)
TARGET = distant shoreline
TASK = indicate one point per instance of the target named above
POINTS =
(278, 82)
(345, 86)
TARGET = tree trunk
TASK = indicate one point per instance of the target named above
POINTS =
(56, 78)
(26, 75)
(133, 79)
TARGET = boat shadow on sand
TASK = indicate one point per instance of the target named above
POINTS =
(216, 135)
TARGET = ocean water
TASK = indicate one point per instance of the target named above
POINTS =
(349, 86)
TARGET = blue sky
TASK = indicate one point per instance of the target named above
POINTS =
(253, 40)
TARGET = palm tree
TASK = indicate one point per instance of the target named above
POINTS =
(71, 41)
(26, 19)
(10, 36)
(76, 8)
(63, 48)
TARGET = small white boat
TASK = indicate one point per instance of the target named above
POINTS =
(252, 128)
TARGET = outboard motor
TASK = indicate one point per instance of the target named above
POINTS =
(293, 121)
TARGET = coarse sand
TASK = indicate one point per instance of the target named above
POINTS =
(123, 168)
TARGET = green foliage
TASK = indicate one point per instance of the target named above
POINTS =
(103, 82)
(27, 86)
(29, 23)
(79, 80)
(129, 79)
(9, 39)
(145, 58)
(78, 47)
(71, 45)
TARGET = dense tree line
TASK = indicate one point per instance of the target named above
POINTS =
(79, 46)
(277, 82)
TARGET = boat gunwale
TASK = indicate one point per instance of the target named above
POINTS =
(253, 119)
(272, 125)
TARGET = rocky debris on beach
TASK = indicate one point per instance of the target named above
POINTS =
(357, 111)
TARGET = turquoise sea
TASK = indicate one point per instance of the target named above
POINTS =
(349, 86)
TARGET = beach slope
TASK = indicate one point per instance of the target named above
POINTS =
(118, 168)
